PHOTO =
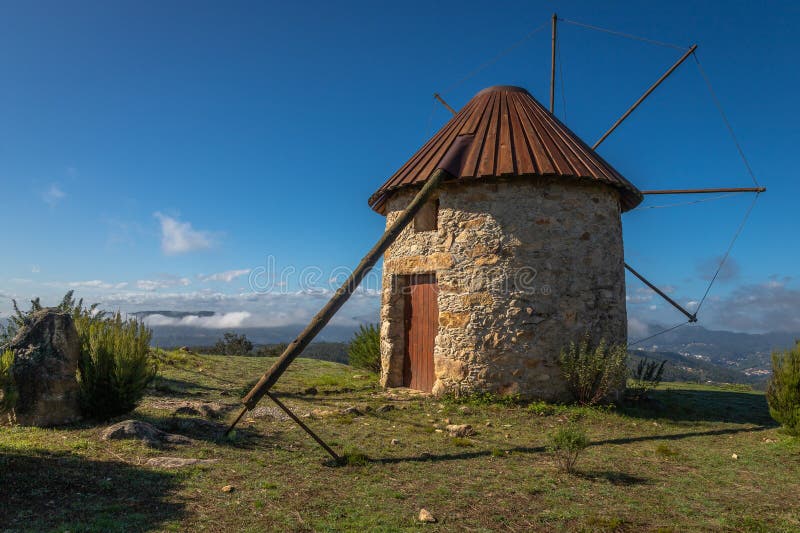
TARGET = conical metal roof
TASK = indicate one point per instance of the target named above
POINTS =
(514, 135)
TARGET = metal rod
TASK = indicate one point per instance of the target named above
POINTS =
(676, 305)
(450, 165)
(706, 191)
(305, 427)
(646, 94)
(438, 97)
(553, 66)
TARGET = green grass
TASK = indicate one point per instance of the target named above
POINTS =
(664, 465)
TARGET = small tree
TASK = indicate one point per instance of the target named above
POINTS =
(783, 390)
(566, 445)
(646, 377)
(233, 344)
(594, 372)
(365, 348)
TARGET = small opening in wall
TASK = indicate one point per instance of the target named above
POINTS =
(427, 218)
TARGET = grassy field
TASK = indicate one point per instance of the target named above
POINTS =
(664, 466)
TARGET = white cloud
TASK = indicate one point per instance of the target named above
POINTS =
(163, 283)
(53, 195)
(236, 319)
(91, 284)
(227, 276)
(264, 310)
(35, 269)
(180, 237)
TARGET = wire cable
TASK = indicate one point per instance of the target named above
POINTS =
(496, 58)
(657, 334)
(727, 252)
(718, 104)
(622, 34)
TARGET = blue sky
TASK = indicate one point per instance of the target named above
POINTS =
(152, 154)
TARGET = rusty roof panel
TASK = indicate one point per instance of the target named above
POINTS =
(514, 135)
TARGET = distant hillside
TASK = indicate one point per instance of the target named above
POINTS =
(748, 353)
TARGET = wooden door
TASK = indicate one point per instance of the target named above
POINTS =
(421, 325)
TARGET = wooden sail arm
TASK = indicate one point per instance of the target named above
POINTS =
(691, 316)
(642, 98)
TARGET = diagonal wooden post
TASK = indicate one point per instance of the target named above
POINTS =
(450, 165)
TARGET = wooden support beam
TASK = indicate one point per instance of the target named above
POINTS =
(707, 191)
(676, 305)
(450, 165)
(641, 99)
(553, 66)
(305, 427)
(439, 97)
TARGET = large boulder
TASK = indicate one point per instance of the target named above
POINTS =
(46, 353)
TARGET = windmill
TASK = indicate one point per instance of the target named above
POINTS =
(456, 154)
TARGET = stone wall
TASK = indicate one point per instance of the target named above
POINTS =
(523, 267)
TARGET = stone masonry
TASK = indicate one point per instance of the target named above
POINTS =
(524, 266)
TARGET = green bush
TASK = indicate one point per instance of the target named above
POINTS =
(8, 395)
(783, 390)
(646, 377)
(115, 365)
(365, 348)
(594, 372)
(566, 445)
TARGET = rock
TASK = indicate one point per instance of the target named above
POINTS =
(465, 409)
(426, 516)
(138, 430)
(176, 462)
(46, 353)
(488, 423)
(446, 421)
(395, 442)
(267, 411)
(183, 349)
(460, 430)
(351, 411)
(310, 391)
(385, 408)
(228, 488)
(734, 456)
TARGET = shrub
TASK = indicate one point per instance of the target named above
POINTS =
(9, 394)
(115, 365)
(783, 390)
(594, 372)
(233, 344)
(646, 377)
(365, 348)
(566, 445)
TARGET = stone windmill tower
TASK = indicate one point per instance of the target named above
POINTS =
(517, 254)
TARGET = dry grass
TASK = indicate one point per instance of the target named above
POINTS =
(664, 466)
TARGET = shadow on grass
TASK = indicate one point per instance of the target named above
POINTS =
(211, 431)
(44, 491)
(615, 478)
(541, 449)
(704, 405)
(178, 387)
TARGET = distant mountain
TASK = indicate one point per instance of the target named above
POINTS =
(747, 353)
